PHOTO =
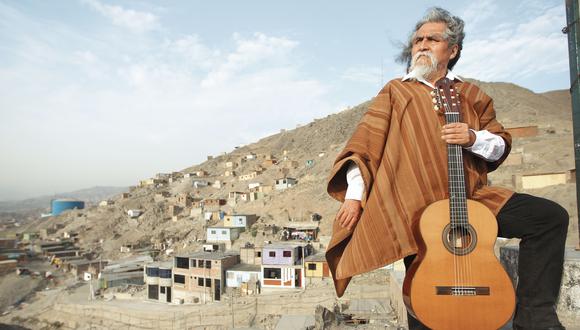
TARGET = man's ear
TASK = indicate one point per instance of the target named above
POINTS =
(454, 51)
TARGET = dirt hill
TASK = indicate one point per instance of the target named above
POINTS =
(313, 148)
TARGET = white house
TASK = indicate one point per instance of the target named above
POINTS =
(239, 220)
(223, 234)
(241, 273)
(200, 183)
(134, 213)
(284, 183)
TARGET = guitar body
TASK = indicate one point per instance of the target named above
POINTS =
(456, 281)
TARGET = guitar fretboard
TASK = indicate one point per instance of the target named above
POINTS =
(447, 98)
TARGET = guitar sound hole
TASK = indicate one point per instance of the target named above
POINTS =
(459, 239)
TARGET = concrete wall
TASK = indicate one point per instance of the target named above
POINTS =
(278, 258)
(217, 234)
(526, 131)
(543, 180)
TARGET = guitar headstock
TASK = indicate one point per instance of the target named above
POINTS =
(445, 96)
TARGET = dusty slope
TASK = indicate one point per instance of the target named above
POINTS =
(550, 151)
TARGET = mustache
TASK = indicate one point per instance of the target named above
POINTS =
(423, 53)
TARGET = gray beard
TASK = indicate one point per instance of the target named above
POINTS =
(422, 71)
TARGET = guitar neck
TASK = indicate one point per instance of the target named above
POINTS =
(455, 172)
(457, 194)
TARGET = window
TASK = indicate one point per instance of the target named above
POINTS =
(200, 264)
(182, 263)
(165, 273)
(212, 232)
(272, 254)
(162, 289)
(259, 254)
(287, 254)
(152, 271)
(193, 263)
(200, 281)
(224, 232)
(208, 282)
(275, 273)
(208, 264)
(179, 278)
(311, 266)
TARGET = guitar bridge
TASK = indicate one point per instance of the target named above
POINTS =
(462, 290)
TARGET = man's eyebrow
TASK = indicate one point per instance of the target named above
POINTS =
(431, 36)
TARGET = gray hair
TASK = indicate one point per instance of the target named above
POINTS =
(453, 34)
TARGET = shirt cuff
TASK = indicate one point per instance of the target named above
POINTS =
(487, 145)
(356, 185)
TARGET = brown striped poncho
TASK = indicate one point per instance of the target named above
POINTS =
(403, 161)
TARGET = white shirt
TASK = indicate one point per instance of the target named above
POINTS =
(487, 146)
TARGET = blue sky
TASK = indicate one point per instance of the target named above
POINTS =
(104, 92)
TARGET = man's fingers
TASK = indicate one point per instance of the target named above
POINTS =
(348, 214)
(353, 221)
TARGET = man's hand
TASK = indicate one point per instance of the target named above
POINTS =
(458, 133)
(349, 213)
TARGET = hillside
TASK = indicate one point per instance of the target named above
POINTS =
(105, 229)
(89, 195)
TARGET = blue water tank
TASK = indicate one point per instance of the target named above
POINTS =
(60, 205)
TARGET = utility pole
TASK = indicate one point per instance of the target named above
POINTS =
(572, 29)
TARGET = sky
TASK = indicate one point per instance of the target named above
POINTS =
(108, 92)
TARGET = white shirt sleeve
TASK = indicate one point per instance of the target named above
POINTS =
(487, 146)
(356, 185)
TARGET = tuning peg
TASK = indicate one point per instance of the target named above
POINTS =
(436, 107)
(433, 93)
(434, 101)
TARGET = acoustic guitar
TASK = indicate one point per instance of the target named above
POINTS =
(456, 281)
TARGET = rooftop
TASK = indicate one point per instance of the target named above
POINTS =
(284, 245)
(316, 257)
(209, 255)
(301, 225)
(245, 268)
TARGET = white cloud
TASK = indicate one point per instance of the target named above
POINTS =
(113, 117)
(260, 49)
(362, 74)
(478, 12)
(134, 20)
(526, 49)
(192, 50)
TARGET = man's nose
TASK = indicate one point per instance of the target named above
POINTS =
(423, 45)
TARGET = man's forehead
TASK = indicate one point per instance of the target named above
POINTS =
(432, 28)
(428, 34)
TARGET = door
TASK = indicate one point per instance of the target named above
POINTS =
(297, 277)
(168, 290)
(217, 290)
(153, 292)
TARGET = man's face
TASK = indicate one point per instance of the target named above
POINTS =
(430, 38)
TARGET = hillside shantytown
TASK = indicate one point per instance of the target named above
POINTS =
(239, 240)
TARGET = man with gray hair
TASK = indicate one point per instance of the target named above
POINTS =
(395, 165)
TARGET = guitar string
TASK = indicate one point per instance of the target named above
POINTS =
(442, 103)
(460, 185)
(458, 177)
(459, 206)
(462, 213)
